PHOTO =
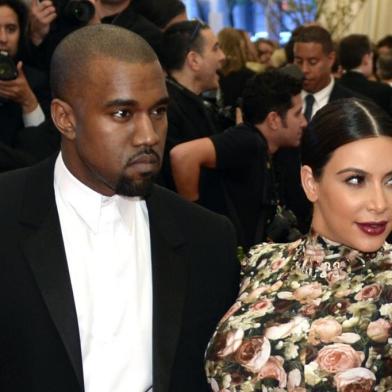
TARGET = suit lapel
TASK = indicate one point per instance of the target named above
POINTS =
(170, 273)
(44, 250)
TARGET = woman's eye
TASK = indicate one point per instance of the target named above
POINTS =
(355, 180)
(389, 181)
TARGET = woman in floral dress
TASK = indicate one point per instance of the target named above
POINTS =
(316, 314)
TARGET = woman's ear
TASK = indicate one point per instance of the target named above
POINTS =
(309, 183)
(63, 118)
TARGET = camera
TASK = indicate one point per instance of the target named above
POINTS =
(78, 12)
(283, 227)
(8, 69)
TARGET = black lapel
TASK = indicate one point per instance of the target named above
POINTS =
(44, 249)
(170, 274)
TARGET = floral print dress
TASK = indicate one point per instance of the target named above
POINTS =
(311, 315)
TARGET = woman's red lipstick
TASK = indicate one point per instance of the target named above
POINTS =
(373, 228)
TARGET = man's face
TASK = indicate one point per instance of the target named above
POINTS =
(315, 65)
(9, 30)
(292, 125)
(119, 127)
(212, 59)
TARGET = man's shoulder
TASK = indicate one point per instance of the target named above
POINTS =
(180, 208)
(340, 91)
(13, 183)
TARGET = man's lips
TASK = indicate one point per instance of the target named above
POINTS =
(373, 228)
(144, 162)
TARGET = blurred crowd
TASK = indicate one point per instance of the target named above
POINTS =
(237, 107)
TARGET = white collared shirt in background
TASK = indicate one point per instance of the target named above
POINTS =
(107, 244)
(321, 98)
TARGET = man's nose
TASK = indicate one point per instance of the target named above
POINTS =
(144, 132)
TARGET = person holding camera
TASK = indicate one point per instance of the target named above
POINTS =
(51, 21)
(21, 87)
(242, 157)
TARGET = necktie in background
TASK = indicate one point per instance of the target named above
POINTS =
(309, 101)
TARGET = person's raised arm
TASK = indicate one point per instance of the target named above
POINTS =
(42, 14)
(19, 91)
(186, 161)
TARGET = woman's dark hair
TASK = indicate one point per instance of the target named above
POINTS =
(21, 10)
(341, 122)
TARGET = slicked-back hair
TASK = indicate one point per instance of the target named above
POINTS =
(316, 34)
(270, 91)
(70, 62)
(178, 40)
(338, 123)
(21, 11)
(352, 49)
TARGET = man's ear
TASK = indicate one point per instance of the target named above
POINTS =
(63, 118)
(274, 121)
(309, 184)
(193, 60)
(331, 57)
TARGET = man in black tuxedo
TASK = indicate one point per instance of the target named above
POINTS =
(108, 282)
(315, 55)
(356, 58)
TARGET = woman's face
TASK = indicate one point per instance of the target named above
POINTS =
(9, 30)
(353, 197)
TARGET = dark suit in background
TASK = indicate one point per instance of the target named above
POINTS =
(380, 93)
(195, 279)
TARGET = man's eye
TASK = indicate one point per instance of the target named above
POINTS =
(121, 113)
(389, 181)
(313, 62)
(355, 180)
(159, 112)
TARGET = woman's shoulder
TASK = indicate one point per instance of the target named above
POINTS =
(267, 253)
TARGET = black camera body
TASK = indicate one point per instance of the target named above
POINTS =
(77, 12)
(8, 69)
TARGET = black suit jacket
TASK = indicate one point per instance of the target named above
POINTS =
(195, 279)
(379, 93)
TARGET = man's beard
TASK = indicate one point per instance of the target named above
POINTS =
(132, 188)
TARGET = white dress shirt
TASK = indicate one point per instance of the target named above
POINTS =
(321, 98)
(107, 244)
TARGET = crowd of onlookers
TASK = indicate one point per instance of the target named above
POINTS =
(237, 107)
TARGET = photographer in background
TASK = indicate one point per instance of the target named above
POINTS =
(242, 156)
(51, 21)
(21, 95)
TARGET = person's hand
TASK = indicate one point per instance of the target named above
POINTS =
(42, 14)
(19, 91)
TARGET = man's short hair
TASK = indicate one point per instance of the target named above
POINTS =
(178, 40)
(384, 66)
(271, 91)
(385, 41)
(315, 34)
(70, 62)
(352, 49)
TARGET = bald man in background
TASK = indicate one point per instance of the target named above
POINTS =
(108, 282)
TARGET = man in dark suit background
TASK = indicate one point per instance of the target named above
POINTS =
(314, 54)
(356, 58)
(108, 282)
